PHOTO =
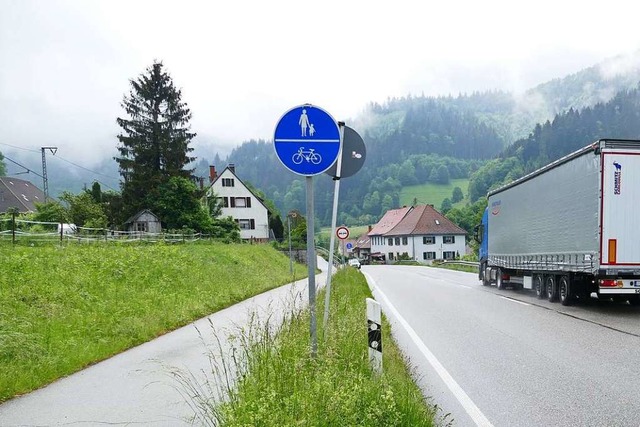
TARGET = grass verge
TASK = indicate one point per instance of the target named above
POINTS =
(279, 384)
(63, 308)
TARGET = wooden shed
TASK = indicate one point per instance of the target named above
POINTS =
(144, 221)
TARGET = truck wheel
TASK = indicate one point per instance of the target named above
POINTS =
(499, 282)
(564, 290)
(551, 288)
(486, 279)
(538, 285)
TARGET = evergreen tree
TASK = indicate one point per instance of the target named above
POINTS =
(154, 144)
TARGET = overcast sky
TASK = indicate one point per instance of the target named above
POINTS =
(65, 65)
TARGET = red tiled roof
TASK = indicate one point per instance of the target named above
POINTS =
(424, 219)
(389, 220)
(363, 242)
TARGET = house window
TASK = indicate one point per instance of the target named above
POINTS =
(224, 201)
(390, 241)
(241, 202)
(397, 241)
(141, 226)
(429, 240)
(448, 255)
(390, 256)
(448, 239)
(228, 182)
(405, 240)
(247, 224)
(428, 255)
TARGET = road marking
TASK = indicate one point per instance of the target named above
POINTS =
(514, 300)
(474, 412)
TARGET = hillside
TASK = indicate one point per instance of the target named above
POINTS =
(418, 140)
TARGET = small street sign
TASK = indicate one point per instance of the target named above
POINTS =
(342, 233)
(307, 140)
(349, 246)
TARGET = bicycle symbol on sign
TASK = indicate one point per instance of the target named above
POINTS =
(309, 156)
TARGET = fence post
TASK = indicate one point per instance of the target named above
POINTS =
(13, 226)
(374, 322)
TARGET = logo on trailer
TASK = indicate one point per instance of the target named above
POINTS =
(495, 207)
(617, 178)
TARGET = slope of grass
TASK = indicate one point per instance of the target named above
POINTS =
(280, 384)
(432, 194)
(63, 308)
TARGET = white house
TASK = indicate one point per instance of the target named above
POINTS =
(420, 233)
(240, 203)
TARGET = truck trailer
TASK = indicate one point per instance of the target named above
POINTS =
(569, 229)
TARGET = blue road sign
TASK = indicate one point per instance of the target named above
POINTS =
(307, 140)
(349, 246)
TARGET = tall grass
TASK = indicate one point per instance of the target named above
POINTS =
(279, 384)
(63, 308)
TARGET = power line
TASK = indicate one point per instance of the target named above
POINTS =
(20, 148)
(82, 167)
(22, 166)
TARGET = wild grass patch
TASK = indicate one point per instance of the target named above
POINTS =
(278, 384)
(63, 308)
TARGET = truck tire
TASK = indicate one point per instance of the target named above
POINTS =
(565, 293)
(486, 279)
(499, 281)
(538, 285)
(551, 287)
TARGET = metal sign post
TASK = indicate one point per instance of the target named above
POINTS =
(334, 216)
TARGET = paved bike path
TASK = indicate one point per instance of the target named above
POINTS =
(136, 386)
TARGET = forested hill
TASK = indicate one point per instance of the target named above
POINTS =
(619, 118)
(417, 139)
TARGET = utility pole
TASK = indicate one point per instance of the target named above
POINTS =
(53, 151)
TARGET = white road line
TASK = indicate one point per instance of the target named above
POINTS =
(516, 301)
(474, 412)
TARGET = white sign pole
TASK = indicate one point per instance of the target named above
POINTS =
(374, 322)
(332, 240)
(311, 264)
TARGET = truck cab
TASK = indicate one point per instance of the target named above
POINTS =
(481, 235)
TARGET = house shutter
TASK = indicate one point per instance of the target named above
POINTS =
(253, 224)
(248, 202)
(233, 202)
(226, 202)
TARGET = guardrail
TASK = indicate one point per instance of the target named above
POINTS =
(469, 263)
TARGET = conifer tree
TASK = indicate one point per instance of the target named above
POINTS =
(154, 142)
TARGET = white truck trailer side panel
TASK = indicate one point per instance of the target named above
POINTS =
(621, 208)
(550, 220)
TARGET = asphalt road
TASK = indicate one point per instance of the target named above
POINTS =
(505, 358)
(139, 386)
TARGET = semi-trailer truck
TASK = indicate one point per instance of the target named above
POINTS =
(569, 229)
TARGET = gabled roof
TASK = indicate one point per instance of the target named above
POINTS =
(231, 171)
(389, 220)
(18, 193)
(135, 217)
(424, 219)
(363, 242)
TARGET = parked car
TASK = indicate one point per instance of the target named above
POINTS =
(355, 263)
